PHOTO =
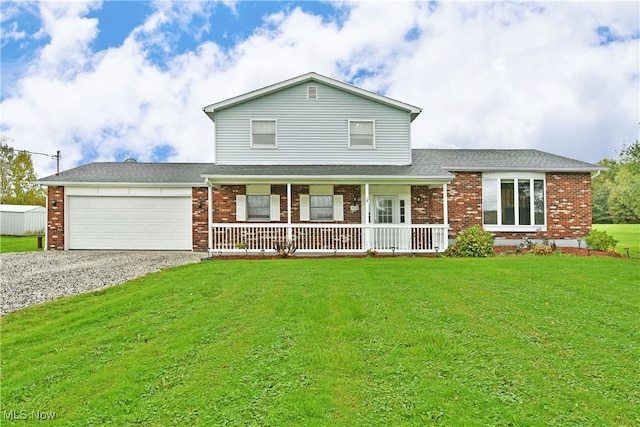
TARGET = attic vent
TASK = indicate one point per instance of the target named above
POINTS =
(130, 160)
(312, 92)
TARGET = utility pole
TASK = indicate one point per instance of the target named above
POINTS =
(53, 156)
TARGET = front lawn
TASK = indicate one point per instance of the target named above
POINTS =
(374, 341)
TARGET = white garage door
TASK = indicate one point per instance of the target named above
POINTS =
(140, 223)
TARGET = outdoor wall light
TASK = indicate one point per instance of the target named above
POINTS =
(53, 202)
(418, 199)
(355, 200)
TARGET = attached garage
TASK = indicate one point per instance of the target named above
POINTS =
(129, 218)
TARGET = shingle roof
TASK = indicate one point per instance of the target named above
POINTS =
(434, 164)
(134, 173)
(501, 160)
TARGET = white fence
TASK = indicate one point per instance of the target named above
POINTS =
(330, 238)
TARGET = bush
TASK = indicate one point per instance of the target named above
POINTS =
(600, 240)
(474, 242)
(542, 250)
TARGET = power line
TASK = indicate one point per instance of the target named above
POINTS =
(52, 156)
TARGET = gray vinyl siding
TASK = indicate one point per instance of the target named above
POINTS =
(313, 131)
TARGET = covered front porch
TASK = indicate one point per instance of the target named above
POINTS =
(329, 238)
(326, 215)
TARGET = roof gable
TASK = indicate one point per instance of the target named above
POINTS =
(210, 110)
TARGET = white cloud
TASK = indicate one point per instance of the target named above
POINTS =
(487, 75)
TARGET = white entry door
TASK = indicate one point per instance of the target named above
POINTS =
(385, 214)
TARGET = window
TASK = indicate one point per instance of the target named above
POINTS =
(263, 133)
(258, 208)
(513, 202)
(321, 208)
(361, 134)
(321, 204)
(312, 92)
(258, 204)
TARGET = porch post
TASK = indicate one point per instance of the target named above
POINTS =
(367, 230)
(209, 218)
(289, 235)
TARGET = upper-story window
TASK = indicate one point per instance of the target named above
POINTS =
(513, 202)
(362, 134)
(312, 92)
(264, 133)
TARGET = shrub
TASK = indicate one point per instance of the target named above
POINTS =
(600, 240)
(474, 242)
(542, 250)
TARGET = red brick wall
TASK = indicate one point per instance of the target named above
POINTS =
(430, 208)
(55, 219)
(569, 205)
(464, 195)
(200, 234)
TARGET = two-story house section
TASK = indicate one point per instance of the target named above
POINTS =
(333, 159)
(328, 167)
(312, 120)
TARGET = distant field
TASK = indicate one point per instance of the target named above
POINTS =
(628, 236)
(19, 244)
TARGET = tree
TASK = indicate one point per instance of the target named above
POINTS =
(616, 191)
(17, 177)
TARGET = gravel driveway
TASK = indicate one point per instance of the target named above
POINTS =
(29, 278)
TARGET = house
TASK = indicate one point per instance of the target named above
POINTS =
(327, 166)
(21, 220)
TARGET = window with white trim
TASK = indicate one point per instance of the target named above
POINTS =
(258, 208)
(321, 204)
(312, 92)
(263, 133)
(513, 202)
(258, 204)
(321, 208)
(362, 134)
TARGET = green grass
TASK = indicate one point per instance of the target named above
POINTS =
(627, 235)
(19, 244)
(521, 341)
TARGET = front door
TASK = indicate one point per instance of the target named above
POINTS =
(385, 214)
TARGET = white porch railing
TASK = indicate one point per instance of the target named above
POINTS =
(330, 238)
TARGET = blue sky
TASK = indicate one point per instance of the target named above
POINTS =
(107, 80)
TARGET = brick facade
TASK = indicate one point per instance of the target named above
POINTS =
(464, 196)
(199, 223)
(427, 205)
(568, 204)
(55, 218)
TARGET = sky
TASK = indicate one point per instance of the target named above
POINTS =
(109, 80)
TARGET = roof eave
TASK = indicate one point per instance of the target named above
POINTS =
(117, 184)
(521, 169)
